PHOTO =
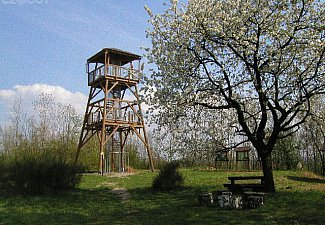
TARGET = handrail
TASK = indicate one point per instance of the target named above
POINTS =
(113, 71)
(114, 115)
(114, 100)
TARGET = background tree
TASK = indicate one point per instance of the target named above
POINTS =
(312, 137)
(263, 59)
(51, 127)
(286, 154)
(195, 137)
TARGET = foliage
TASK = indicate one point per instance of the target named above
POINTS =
(38, 172)
(89, 156)
(134, 157)
(312, 137)
(52, 126)
(5, 181)
(169, 178)
(285, 154)
(193, 138)
(54, 122)
(262, 59)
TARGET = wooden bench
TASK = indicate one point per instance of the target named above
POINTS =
(233, 186)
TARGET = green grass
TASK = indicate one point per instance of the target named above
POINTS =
(300, 199)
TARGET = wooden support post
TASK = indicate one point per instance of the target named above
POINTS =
(103, 134)
(145, 135)
(83, 129)
(121, 152)
(112, 156)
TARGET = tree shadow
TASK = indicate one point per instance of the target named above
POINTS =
(179, 194)
(307, 179)
(181, 207)
(171, 207)
(97, 206)
(101, 206)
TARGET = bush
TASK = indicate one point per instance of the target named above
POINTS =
(5, 182)
(39, 172)
(169, 178)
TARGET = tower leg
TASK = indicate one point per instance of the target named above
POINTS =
(145, 133)
(112, 155)
(121, 152)
(103, 132)
(146, 144)
(102, 163)
(83, 135)
(148, 149)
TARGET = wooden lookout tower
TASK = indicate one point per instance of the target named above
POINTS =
(113, 111)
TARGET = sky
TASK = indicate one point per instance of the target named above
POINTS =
(44, 45)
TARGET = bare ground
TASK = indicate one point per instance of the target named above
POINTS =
(122, 193)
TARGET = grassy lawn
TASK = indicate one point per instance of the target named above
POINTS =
(300, 199)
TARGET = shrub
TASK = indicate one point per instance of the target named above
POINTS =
(5, 182)
(169, 178)
(40, 172)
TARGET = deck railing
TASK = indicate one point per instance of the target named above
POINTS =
(113, 71)
(114, 115)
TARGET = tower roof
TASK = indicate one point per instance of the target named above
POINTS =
(114, 53)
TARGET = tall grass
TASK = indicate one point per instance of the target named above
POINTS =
(38, 172)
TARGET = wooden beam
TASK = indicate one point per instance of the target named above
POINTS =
(145, 136)
(139, 136)
(80, 144)
(103, 134)
(134, 92)
(111, 134)
(136, 113)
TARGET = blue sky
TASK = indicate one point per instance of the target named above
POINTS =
(45, 43)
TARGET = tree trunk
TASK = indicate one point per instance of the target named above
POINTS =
(268, 172)
(322, 155)
(315, 161)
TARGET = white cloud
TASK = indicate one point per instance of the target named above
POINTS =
(6, 95)
(29, 93)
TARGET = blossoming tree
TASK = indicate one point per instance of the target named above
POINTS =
(264, 59)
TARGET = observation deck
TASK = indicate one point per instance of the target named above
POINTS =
(115, 65)
(113, 73)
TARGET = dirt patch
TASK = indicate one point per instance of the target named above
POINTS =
(120, 174)
(122, 193)
(106, 184)
(312, 175)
